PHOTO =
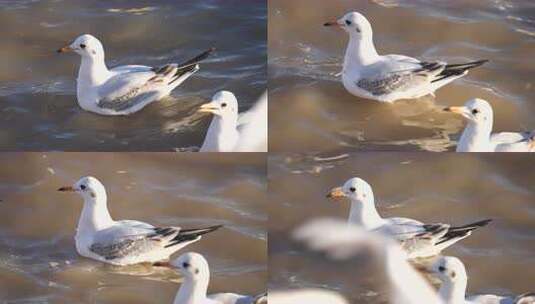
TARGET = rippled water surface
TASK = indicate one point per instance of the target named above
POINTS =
(311, 110)
(38, 260)
(38, 86)
(432, 188)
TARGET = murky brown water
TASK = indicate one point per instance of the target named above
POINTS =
(311, 110)
(38, 261)
(430, 187)
(38, 86)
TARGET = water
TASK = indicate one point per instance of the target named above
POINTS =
(38, 260)
(311, 111)
(38, 86)
(448, 188)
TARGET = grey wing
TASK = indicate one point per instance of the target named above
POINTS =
(128, 238)
(125, 90)
(131, 68)
(398, 76)
(513, 142)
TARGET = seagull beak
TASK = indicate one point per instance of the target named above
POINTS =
(336, 193)
(332, 23)
(65, 49)
(209, 108)
(457, 110)
(67, 189)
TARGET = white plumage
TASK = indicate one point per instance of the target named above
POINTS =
(126, 89)
(389, 78)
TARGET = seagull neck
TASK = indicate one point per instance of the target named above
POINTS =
(360, 52)
(475, 138)
(222, 134)
(453, 292)
(363, 213)
(95, 215)
(93, 71)
(192, 292)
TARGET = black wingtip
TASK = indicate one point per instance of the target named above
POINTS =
(197, 59)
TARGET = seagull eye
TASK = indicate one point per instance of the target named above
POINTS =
(441, 268)
(224, 104)
(348, 22)
(82, 46)
(475, 111)
(185, 265)
(352, 189)
(83, 187)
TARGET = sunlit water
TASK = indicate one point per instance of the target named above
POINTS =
(429, 187)
(38, 260)
(311, 110)
(38, 86)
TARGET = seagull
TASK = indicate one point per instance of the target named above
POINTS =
(231, 132)
(126, 89)
(196, 272)
(125, 242)
(305, 296)
(477, 135)
(388, 78)
(452, 273)
(418, 239)
(341, 241)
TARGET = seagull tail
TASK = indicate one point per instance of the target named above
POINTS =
(195, 60)
(454, 70)
(455, 234)
(188, 235)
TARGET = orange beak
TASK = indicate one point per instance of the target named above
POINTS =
(336, 193)
(65, 49)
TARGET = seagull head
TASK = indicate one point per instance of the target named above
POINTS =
(449, 269)
(192, 266)
(355, 24)
(90, 188)
(475, 110)
(224, 104)
(86, 46)
(356, 189)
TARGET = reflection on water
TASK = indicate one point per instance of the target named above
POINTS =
(38, 86)
(38, 261)
(446, 188)
(311, 110)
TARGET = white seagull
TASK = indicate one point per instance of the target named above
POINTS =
(193, 290)
(477, 135)
(125, 242)
(126, 89)
(452, 273)
(342, 241)
(231, 132)
(388, 78)
(418, 239)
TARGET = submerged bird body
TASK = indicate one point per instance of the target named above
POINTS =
(194, 288)
(477, 135)
(389, 78)
(126, 89)
(452, 272)
(418, 239)
(125, 242)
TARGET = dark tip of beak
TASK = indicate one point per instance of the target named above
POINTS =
(59, 51)
(66, 189)
(328, 195)
(328, 24)
(446, 110)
